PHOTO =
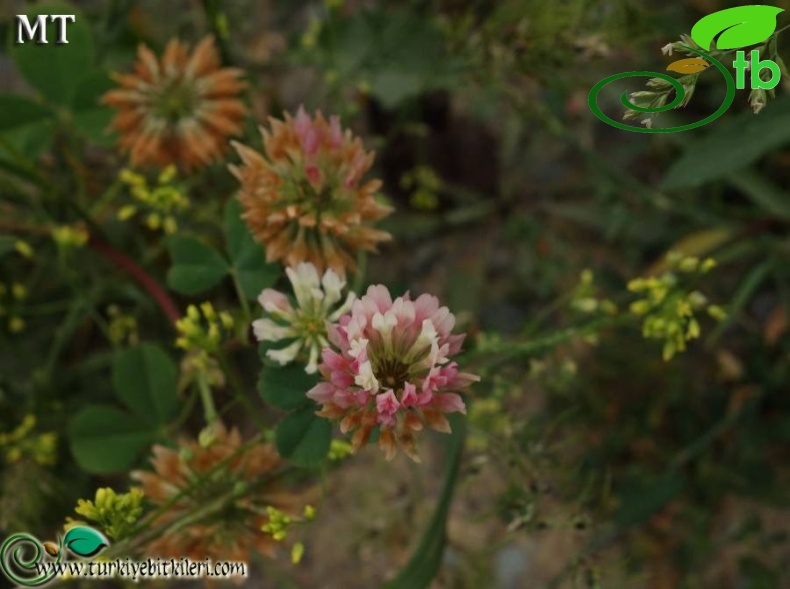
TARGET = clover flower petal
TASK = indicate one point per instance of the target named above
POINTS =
(390, 366)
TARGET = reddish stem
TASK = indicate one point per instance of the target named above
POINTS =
(125, 263)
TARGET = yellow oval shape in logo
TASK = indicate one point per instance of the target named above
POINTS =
(692, 65)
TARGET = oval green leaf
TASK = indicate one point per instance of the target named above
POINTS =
(197, 267)
(17, 111)
(284, 387)
(89, 116)
(248, 258)
(106, 440)
(304, 438)
(55, 69)
(146, 379)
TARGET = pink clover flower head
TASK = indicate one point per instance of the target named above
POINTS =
(390, 365)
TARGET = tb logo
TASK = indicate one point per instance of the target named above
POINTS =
(741, 64)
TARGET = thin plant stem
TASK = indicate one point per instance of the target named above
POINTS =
(207, 399)
(245, 305)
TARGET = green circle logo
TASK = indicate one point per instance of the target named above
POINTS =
(680, 94)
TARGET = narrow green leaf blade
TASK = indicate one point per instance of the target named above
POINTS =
(427, 557)
(762, 192)
(730, 147)
(743, 294)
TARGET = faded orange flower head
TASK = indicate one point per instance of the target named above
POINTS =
(304, 197)
(232, 515)
(180, 109)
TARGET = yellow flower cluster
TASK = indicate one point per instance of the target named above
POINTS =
(425, 185)
(11, 296)
(584, 299)
(69, 237)
(202, 328)
(122, 328)
(200, 334)
(340, 449)
(279, 523)
(668, 307)
(160, 203)
(19, 443)
(115, 514)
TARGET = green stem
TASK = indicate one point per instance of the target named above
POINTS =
(509, 350)
(239, 391)
(209, 409)
(218, 23)
(362, 263)
(105, 199)
(185, 413)
(62, 335)
(88, 301)
(245, 305)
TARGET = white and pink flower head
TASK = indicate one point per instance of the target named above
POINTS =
(318, 301)
(391, 367)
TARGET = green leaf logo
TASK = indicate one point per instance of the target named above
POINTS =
(740, 26)
(85, 542)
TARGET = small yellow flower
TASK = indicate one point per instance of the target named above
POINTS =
(23, 248)
(668, 308)
(16, 325)
(69, 237)
(20, 442)
(717, 312)
(159, 203)
(689, 264)
(340, 449)
(127, 212)
(115, 514)
(122, 328)
(297, 551)
(203, 328)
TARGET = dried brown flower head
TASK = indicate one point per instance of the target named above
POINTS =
(304, 198)
(180, 109)
(228, 504)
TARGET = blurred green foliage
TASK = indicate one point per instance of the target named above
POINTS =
(665, 474)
